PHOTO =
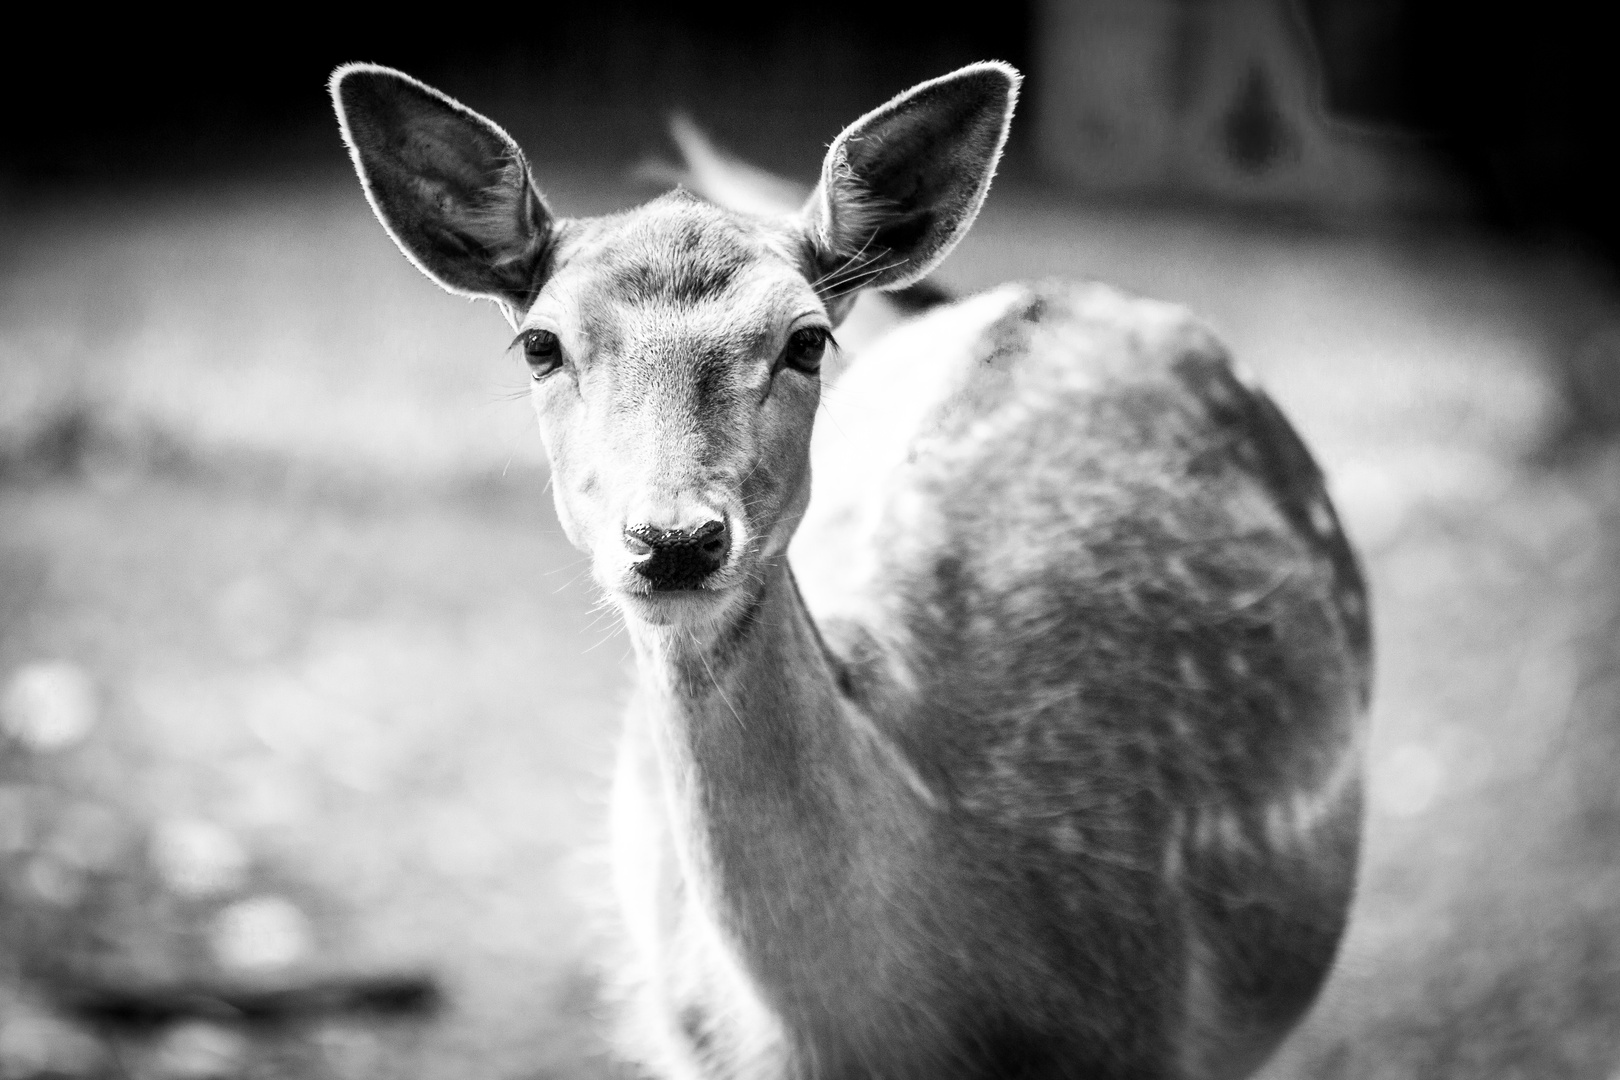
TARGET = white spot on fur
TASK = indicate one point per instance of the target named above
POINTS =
(1350, 603)
(1173, 860)
(1187, 668)
(1066, 838)
(1229, 830)
(1221, 394)
(1322, 519)
(1180, 724)
(1210, 827)
(1245, 375)
(1285, 822)
(1176, 566)
(1291, 819)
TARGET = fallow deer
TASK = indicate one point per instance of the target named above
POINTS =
(1052, 769)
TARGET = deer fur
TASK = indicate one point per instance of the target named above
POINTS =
(1051, 767)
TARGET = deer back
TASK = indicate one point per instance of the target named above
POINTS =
(1090, 582)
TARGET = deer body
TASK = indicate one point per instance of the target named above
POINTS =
(1057, 772)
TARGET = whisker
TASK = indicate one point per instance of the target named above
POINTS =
(841, 267)
(845, 286)
(853, 264)
(844, 273)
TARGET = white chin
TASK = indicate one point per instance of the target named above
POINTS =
(674, 608)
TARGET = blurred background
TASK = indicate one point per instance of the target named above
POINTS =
(305, 711)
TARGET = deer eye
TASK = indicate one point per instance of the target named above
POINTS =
(543, 352)
(805, 347)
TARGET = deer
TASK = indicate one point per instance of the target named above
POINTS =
(1031, 745)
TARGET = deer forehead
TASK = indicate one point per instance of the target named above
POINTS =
(676, 285)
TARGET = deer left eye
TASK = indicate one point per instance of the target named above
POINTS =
(805, 348)
(543, 352)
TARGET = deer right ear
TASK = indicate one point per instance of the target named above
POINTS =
(902, 184)
(451, 188)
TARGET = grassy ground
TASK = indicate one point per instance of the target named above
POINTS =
(301, 681)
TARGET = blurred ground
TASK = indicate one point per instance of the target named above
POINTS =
(299, 679)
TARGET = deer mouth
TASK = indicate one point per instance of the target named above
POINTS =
(697, 606)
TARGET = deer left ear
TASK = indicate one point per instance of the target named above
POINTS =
(902, 184)
(451, 188)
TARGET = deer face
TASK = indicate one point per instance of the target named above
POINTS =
(675, 348)
(675, 354)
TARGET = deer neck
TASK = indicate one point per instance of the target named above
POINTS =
(778, 790)
(750, 712)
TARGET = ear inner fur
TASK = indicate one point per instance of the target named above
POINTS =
(901, 185)
(452, 189)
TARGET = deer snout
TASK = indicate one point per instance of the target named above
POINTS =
(679, 557)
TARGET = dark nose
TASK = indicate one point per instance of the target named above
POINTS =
(678, 558)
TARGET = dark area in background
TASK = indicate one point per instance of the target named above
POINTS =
(589, 82)
(1519, 102)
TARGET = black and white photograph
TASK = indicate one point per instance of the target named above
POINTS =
(1064, 540)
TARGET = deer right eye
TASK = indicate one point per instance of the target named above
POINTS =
(543, 352)
(805, 347)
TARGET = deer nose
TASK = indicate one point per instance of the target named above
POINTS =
(678, 558)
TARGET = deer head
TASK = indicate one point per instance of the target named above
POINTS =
(675, 348)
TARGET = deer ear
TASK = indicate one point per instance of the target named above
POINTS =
(902, 184)
(451, 188)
